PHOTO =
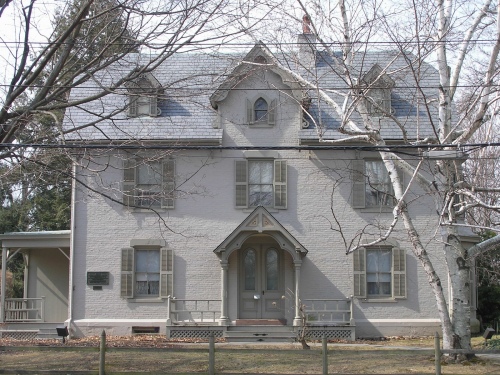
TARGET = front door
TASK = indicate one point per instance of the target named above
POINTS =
(261, 283)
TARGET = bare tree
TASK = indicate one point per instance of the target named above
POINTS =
(96, 35)
(461, 40)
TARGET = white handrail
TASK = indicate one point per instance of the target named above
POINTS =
(24, 309)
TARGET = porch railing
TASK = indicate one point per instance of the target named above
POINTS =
(194, 310)
(24, 309)
(328, 311)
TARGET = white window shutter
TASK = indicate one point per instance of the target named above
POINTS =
(271, 113)
(398, 273)
(166, 272)
(128, 192)
(359, 268)
(358, 183)
(250, 112)
(280, 184)
(241, 180)
(127, 273)
(153, 104)
(168, 176)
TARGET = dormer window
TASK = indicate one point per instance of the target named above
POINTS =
(377, 87)
(260, 108)
(143, 95)
(261, 111)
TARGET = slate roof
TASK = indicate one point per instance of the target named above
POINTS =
(189, 80)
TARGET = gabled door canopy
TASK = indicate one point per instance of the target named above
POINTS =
(261, 222)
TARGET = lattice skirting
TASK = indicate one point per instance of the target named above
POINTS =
(192, 332)
(317, 333)
(19, 335)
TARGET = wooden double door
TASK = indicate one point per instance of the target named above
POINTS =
(261, 282)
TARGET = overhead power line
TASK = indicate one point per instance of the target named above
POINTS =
(130, 146)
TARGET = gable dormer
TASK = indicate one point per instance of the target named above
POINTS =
(376, 88)
(143, 93)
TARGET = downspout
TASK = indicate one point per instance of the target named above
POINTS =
(3, 283)
(69, 322)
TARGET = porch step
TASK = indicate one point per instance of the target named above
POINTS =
(261, 333)
(261, 322)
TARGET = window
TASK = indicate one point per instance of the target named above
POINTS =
(372, 186)
(379, 272)
(149, 184)
(261, 183)
(376, 87)
(143, 96)
(146, 272)
(261, 112)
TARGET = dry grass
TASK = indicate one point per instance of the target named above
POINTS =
(160, 356)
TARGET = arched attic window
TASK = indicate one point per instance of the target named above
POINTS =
(143, 95)
(376, 89)
(261, 112)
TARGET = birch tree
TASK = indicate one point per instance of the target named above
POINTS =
(461, 40)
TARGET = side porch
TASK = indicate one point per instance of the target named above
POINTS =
(43, 306)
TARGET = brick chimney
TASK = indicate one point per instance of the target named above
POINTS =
(307, 44)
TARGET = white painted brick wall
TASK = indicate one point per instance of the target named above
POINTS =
(205, 216)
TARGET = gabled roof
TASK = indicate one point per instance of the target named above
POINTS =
(260, 221)
(250, 63)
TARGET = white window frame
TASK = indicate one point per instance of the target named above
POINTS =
(128, 277)
(280, 189)
(132, 191)
(398, 274)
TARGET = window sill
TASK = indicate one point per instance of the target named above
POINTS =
(378, 209)
(147, 300)
(261, 125)
(379, 300)
(271, 210)
(159, 209)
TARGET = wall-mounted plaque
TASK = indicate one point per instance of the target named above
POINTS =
(97, 278)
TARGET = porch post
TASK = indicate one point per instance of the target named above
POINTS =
(4, 282)
(297, 322)
(224, 319)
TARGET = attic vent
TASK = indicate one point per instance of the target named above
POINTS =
(260, 60)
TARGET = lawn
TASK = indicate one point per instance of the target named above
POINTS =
(158, 355)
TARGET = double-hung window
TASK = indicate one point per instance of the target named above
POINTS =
(261, 182)
(371, 185)
(149, 183)
(146, 272)
(379, 272)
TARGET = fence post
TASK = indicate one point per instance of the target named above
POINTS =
(325, 356)
(102, 353)
(211, 355)
(437, 353)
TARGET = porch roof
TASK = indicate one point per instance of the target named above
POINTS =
(36, 240)
(260, 221)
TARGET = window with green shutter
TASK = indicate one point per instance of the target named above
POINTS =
(143, 96)
(149, 184)
(261, 182)
(379, 272)
(261, 111)
(147, 272)
(371, 185)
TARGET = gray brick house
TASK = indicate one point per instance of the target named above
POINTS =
(216, 218)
